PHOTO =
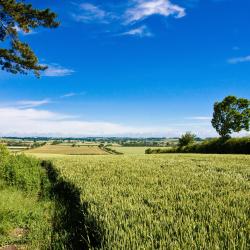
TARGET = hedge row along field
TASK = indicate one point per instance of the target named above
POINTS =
(38, 208)
(25, 207)
(213, 146)
(163, 201)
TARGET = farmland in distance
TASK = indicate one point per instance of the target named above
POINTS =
(67, 150)
(131, 150)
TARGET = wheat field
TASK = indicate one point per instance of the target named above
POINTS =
(164, 201)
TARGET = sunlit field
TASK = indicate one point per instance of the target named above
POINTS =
(163, 201)
(131, 150)
(68, 150)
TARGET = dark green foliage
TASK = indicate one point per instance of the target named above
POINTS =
(148, 151)
(186, 139)
(38, 144)
(231, 115)
(24, 201)
(58, 221)
(109, 150)
(23, 172)
(16, 15)
(221, 146)
(56, 142)
(214, 146)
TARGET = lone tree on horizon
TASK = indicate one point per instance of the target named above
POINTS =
(231, 115)
(186, 139)
(16, 15)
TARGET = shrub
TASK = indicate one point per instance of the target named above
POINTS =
(148, 151)
(186, 139)
(56, 142)
(213, 146)
(23, 172)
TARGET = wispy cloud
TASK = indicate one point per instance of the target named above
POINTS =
(55, 70)
(147, 8)
(32, 103)
(128, 15)
(91, 13)
(71, 94)
(142, 31)
(239, 60)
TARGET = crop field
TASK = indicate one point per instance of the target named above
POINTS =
(16, 149)
(131, 150)
(79, 143)
(67, 150)
(163, 201)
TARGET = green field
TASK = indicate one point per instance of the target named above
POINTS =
(163, 201)
(131, 150)
(16, 149)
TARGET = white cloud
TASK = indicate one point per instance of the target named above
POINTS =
(90, 12)
(55, 70)
(146, 8)
(239, 60)
(71, 94)
(32, 122)
(140, 31)
(128, 14)
(32, 103)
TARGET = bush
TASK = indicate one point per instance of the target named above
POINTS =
(111, 151)
(214, 146)
(56, 142)
(148, 151)
(186, 139)
(23, 172)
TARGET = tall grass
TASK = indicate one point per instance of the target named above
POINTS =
(24, 206)
(164, 201)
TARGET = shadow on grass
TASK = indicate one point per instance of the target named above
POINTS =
(73, 226)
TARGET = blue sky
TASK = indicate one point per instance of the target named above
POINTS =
(130, 68)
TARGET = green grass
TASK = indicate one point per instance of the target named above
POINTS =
(164, 201)
(25, 210)
(22, 211)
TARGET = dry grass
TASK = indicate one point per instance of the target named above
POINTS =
(67, 150)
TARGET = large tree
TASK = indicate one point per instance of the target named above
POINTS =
(231, 115)
(16, 15)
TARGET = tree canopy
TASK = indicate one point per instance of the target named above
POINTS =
(231, 115)
(186, 139)
(15, 55)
